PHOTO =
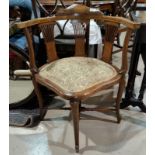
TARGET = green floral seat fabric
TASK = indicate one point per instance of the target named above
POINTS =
(75, 74)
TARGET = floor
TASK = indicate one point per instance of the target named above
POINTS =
(54, 135)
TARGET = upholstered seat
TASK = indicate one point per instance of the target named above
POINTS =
(76, 74)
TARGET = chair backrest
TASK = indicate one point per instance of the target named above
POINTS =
(79, 16)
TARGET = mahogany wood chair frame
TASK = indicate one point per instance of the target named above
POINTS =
(79, 14)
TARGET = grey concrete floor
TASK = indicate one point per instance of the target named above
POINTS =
(54, 136)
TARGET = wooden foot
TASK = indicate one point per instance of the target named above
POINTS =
(119, 96)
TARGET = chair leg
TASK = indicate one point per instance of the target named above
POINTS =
(119, 97)
(75, 114)
(79, 109)
(40, 98)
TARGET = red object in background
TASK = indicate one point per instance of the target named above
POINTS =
(141, 1)
(12, 55)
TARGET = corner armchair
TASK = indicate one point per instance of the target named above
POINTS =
(79, 77)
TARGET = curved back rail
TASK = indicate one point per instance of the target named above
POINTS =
(79, 17)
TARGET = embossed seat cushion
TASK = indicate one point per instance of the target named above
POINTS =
(75, 74)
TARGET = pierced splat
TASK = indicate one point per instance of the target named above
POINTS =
(110, 34)
(80, 36)
(48, 34)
